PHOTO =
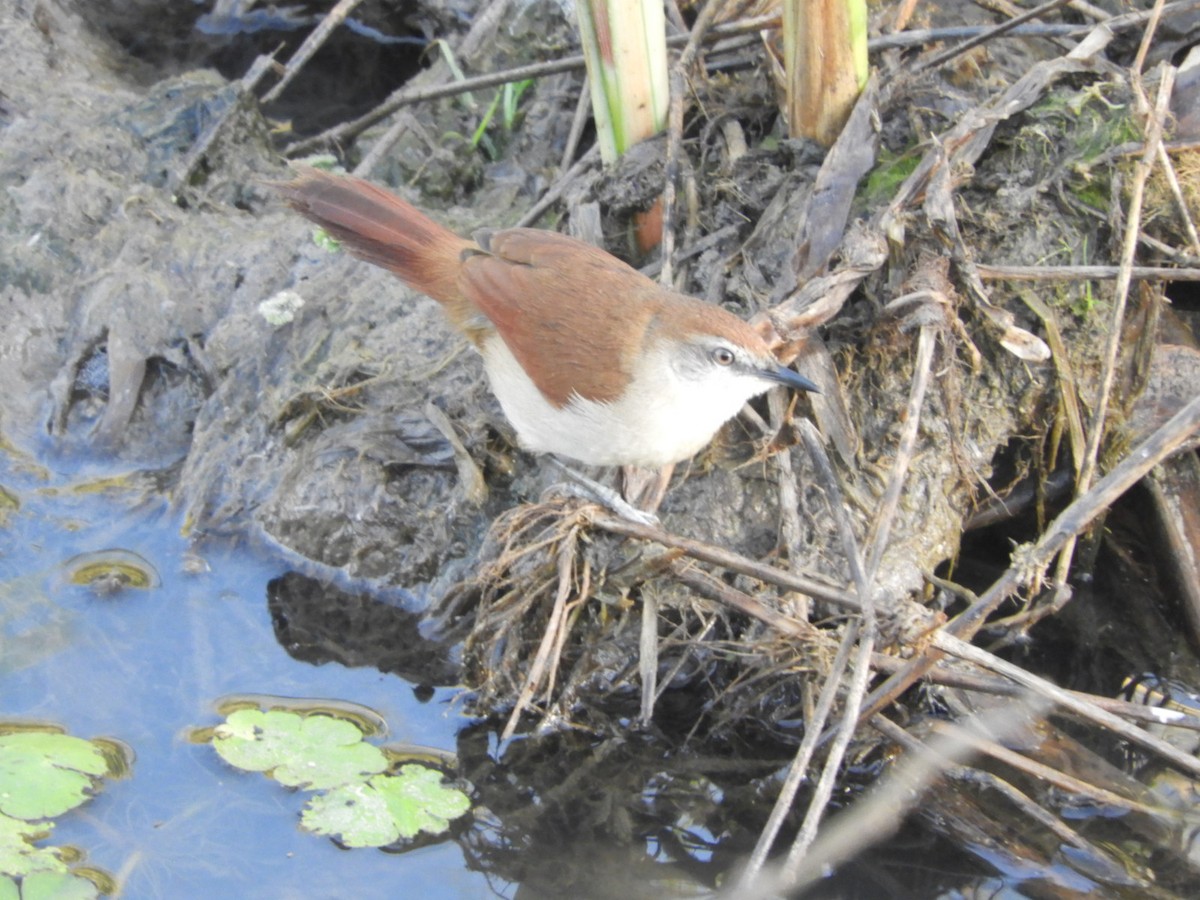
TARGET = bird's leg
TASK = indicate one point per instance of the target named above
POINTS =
(605, 496)
(646, 488)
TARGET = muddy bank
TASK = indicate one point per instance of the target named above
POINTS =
(135, 280)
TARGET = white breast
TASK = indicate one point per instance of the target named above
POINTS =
(663, 417)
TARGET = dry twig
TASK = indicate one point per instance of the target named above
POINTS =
(1030, 560)
(316, 38)
(1116, 328)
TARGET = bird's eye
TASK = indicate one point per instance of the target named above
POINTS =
(722, 356)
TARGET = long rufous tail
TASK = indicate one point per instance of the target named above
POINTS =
(379, 227)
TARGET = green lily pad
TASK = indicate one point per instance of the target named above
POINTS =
(300, 751)
(19, 856)
(57, 886)
(44, 774)
(356, 812)
(419, 801)
(387, 808)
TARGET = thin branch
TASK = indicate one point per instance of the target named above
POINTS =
(557, 620)
(406, 96)
(798, 770)
(316, 38)
(988, 35)
(680, 72)
(735, 562)
(182, 175)
(1029, 561)
(911, 418)
(1116, 328)
(1084, 273)
(1039, 770)
(856, 690)
(1181, 205)
(714, 589)
(864, 574)
(559, 188)
(880, 812)
(583, 110)
(1064, 699)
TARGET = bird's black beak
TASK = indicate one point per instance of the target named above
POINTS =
(787, 377)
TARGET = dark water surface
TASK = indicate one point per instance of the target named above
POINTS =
(145, 666)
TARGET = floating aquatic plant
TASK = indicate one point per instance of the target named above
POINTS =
(44, 774)
(358, 802)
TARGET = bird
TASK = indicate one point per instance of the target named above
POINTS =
(590, 359)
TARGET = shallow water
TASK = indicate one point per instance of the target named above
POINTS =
(145, 666)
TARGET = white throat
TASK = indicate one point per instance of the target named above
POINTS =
(666, 415)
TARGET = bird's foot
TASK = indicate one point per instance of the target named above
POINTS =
(590, 489)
